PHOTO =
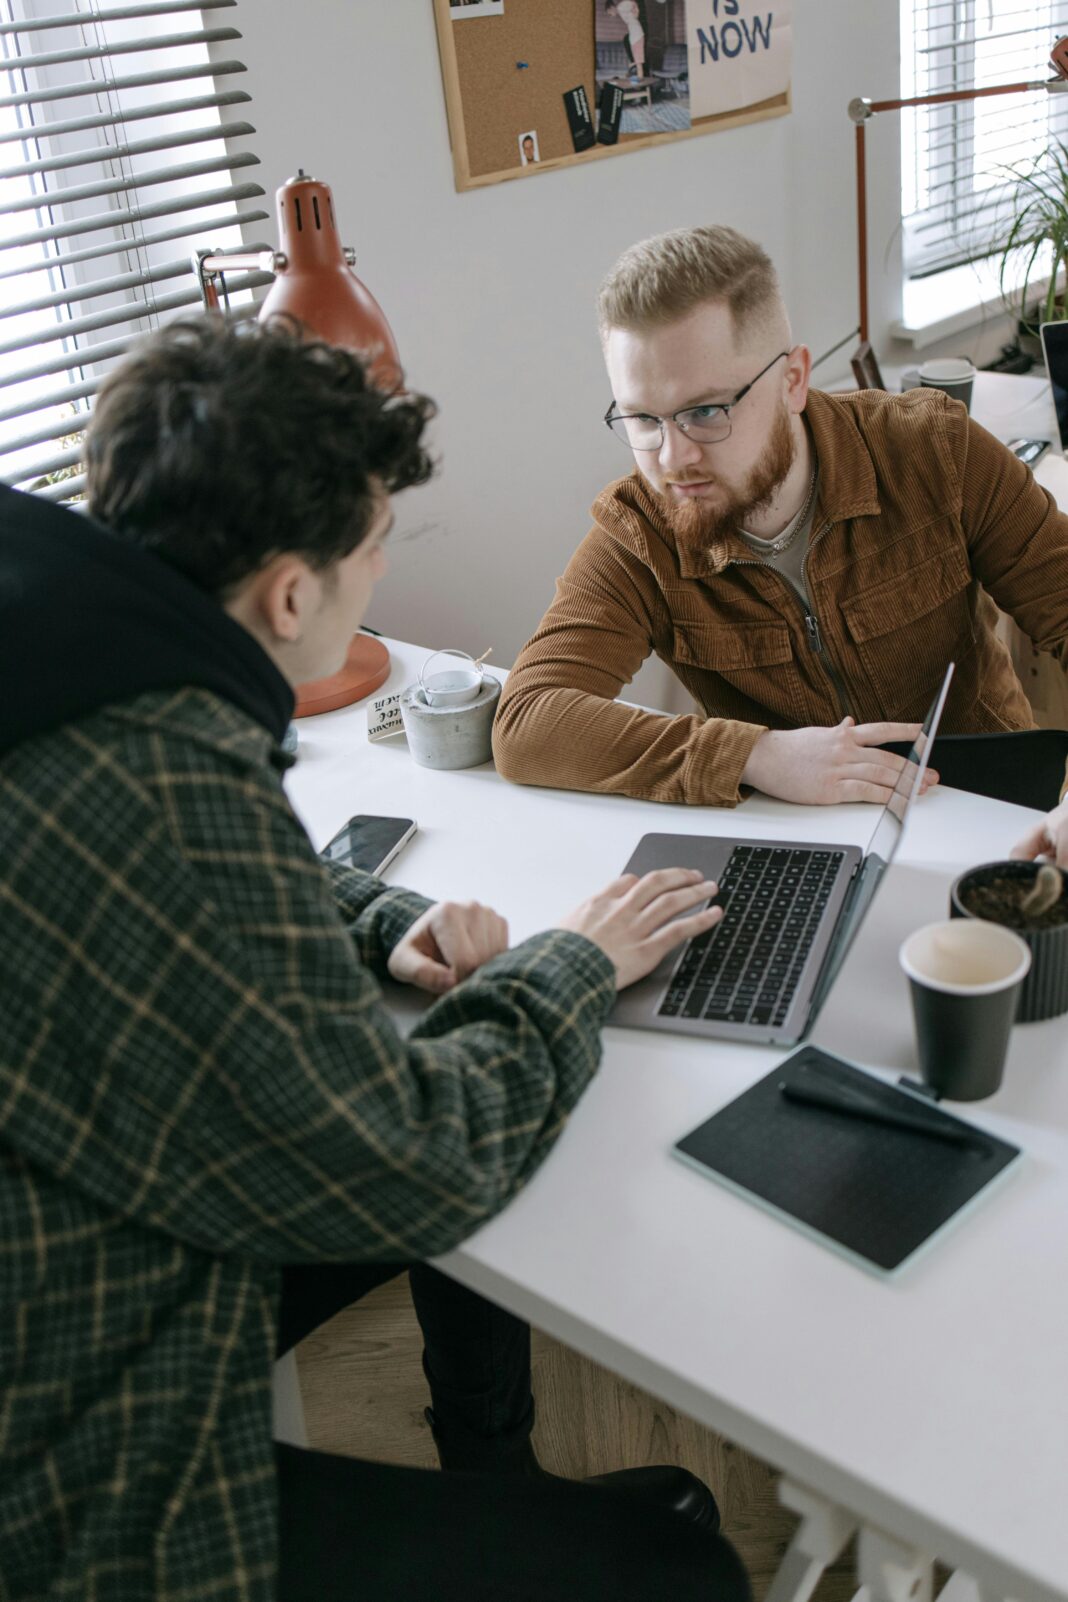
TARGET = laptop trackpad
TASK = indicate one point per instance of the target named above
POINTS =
(680, 851)
(710, 856)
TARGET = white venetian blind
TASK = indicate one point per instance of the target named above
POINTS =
(955, 183)
(122, 147)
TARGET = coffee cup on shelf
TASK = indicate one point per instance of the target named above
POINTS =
(955, 375)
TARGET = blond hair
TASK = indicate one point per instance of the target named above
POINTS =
(659, 280)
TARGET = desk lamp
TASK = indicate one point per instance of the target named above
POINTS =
(865, 368)
(315, 285)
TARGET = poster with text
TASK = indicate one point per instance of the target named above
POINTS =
(739, 53)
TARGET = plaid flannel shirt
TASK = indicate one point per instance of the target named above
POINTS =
(198, 1084)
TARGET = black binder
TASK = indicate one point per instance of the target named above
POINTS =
(873, 1191)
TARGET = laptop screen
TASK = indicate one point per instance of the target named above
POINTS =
(1055, 350)
(882, 847)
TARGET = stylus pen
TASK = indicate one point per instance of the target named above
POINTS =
(827, 1101)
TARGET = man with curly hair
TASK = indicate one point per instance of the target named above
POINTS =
(212, 1135)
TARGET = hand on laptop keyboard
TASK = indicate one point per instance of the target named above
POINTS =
(632, 919)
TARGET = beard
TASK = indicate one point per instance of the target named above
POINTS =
(697, 525)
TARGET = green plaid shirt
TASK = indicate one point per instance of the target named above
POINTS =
(198, 1084)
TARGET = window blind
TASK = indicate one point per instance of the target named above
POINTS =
(957, 160)
(122, 147)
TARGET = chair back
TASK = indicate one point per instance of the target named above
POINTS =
(1026, 767)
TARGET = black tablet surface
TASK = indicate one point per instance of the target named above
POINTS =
(875, 1190)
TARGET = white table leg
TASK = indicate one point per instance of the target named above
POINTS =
(962, 1588)
(819, 1538)
(892, 1571)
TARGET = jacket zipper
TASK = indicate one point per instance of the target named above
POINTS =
(815, 639)
(812, 623)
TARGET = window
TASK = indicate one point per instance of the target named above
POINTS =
(955, 158)
(122, 133)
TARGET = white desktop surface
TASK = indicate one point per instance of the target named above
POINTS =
(934, 1405)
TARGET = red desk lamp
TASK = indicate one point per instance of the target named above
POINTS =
(314, 283)
(860, 110)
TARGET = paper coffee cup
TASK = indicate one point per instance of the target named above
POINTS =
(964, 981)
(955, 375)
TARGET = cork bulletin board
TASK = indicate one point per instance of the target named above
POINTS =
(511, 67)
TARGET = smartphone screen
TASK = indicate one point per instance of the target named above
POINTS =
(369, 842)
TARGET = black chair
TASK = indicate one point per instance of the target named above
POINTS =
(1026, 767)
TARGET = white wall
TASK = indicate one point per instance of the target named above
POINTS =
(491, 293)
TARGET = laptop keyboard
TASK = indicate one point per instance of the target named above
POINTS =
(746, 969)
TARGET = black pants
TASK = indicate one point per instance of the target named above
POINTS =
(352, 1531)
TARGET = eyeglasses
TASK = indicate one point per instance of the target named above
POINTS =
(704, 424)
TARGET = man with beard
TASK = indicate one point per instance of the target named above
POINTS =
(805, 563)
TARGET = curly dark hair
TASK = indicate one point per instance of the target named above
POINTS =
(216, 446)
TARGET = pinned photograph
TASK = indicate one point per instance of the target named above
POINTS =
(528, 148)
(461, 10)
(641, 54)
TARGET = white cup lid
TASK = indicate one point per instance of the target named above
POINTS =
(965, 957)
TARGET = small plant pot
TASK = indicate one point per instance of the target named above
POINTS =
(1001, 887)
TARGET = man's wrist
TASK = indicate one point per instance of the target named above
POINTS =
(754, 765)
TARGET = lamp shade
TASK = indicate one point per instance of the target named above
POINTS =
(316, 286)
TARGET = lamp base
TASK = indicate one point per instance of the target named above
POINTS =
(366, 667)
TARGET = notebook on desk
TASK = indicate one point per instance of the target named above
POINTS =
(792, 911)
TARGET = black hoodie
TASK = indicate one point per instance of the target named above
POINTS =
(87, 620)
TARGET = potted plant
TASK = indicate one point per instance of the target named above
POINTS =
(1034, 252)
(1032, 899)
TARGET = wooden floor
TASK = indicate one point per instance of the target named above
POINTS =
(364, 1395)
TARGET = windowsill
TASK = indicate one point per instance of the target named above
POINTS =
(944, 304)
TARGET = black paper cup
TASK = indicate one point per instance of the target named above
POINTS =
(964, 979)
(954, 375)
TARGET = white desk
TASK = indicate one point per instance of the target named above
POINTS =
(933, 1407)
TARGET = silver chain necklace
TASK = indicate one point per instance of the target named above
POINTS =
(784, 541)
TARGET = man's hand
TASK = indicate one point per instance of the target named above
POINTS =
(823, 766)
(449, 941)
(1047, 839)
(630, 918)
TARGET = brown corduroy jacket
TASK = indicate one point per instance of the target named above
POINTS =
(923, 521)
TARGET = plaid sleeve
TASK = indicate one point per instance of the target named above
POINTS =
(376, 915)
(219, 1064)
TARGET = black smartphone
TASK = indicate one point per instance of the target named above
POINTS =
(369, 842)
(1029, 450)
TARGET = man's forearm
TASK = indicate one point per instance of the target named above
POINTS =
(572, 740)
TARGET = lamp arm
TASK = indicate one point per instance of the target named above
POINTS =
(210, 268)
(861, 110)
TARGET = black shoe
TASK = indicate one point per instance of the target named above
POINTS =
(664, 1485)
(675, 1489)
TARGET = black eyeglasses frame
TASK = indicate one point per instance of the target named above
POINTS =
(611, 417)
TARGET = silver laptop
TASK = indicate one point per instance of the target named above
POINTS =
(1055, 350)
(792, 909)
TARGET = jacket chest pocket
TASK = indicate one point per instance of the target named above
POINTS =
(756, 659)
(907, 628)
